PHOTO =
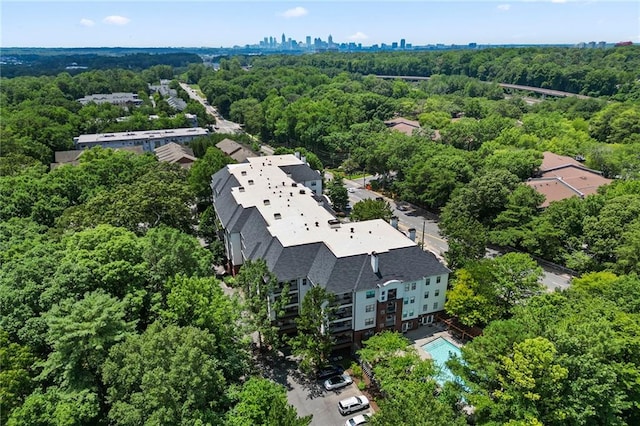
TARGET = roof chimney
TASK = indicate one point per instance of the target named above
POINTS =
(412, 234)
(394, 221)
(374, 262)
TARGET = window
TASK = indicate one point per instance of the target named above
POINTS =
(428, 281)
(304, 281)
(436, 293)
(406, 287)
(369, 308)
(435, 305)
(368, 321)
(413, 286)
(406, 301)
(425, 308)
(438, 279)
(313, 183)
(411, 313)
(371, 293)
(426, 294)
(412, 299)
(404, 314)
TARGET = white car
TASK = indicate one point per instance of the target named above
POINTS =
(353, 404)
(351, 190)
(337, 382)
(358, 420)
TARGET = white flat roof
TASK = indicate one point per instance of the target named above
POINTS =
(294, 217)
(146, 134)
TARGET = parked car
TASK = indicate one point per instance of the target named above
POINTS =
(329, 371)
(337, 382)
(358, 420)
(353, 404)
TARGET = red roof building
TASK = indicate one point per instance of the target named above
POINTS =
(564, 177)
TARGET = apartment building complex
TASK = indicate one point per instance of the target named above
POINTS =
(271, 208)
(147, 139)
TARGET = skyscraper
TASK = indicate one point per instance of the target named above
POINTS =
(284, 40)
(308, 42)
(402, 43)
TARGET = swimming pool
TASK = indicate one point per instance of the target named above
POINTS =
(441, 350)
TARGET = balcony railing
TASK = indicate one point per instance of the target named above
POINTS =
(343, 299)
(390, 322)
(338, 327)
(289, 312)
(344, 312)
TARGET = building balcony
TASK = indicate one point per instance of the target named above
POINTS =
(343, 338)
(340, 326)
(343, 299)
(290, 311)
(286, 324)
(343, 312)
(390, 322)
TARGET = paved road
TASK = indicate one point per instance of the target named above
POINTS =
(222, 125)
(411, 217)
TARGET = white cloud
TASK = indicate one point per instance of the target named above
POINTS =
(87, 22)
(116, 20)
(359, 36)
(296, 12)
(558, 1)
(504, 7)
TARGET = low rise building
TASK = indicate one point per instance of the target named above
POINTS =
(147, 139)
(120, 98)
(563, 177)
(269, 209)
(175, 154)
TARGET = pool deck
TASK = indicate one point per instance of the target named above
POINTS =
(427, 333)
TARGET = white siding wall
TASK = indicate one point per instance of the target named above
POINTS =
(412, 310)
(432, 289)
(360, 302)
(317, 188)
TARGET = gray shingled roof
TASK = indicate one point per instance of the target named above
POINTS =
(301, 172)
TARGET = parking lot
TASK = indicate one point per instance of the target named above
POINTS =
(310, 397)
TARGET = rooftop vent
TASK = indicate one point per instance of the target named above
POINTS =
(277, 216)
(302, 191)
(241, 189)
(250, 181)
(266, 202)
(294, 184)
(243, 173)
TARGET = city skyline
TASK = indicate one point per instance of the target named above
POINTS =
(227, 24)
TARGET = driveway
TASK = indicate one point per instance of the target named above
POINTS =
(308, 395)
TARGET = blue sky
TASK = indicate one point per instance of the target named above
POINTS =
(226, 23)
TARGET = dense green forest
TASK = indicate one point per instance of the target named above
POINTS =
(109, 309)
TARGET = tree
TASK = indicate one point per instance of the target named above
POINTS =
(516, 277)
(473, 302)
(16, 375)
(167, 375)
(81, 333)
(382, 347)
(264, 300)
(57, 407)
(263, 402)
(200, 302)
(531, 380)
(202, 170)
(338, 194)
(489, 289)
(370, 209)
(313, 342)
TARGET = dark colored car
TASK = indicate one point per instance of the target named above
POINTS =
(329, 371)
